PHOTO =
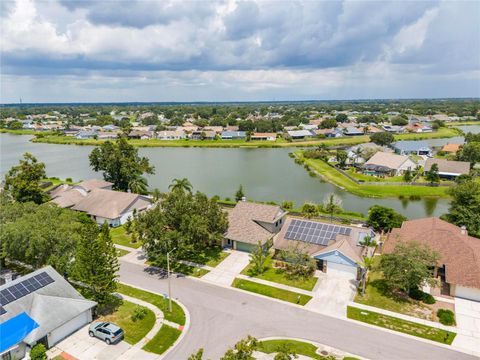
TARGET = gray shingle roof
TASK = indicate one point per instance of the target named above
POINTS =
(448, 166)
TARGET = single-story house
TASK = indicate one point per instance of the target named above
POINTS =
(308, 126)
(459, 264)
(203, 135)
(451, 148)
(354, 153)
(408, 147)
(41, 307)
(86, 134)
(250, 223)
(264, 136)
(171, 135)
(329, 133)
(232, 135)
(448, 169)
(141, 134)
(299, 134)
(352, 131)
(419, 128)
(334, 247)
(96, 198)
(383, 163)
(104, 135)
(393, 128)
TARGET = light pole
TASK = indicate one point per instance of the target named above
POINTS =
(168, 276)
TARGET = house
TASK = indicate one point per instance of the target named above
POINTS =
(451, 148)
(105, 135)
(393, 128)
(308, 126)
(355, 153)
(233, 135)
(141, 134)
(100, 202)
(328, 133)
(352, 131)
(203, 135)
(41, 307)
(299, 134)
(87, 134)
(389, 164)
(264, 136)
(171, 135)
(412, 147)
(418, 128)
(447, 168)
(250, 223)
(336, 248)
(459, 264)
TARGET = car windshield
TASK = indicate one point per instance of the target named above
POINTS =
(118, 332)
(99, 325)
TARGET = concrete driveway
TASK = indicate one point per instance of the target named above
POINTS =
(467, 314)
(332, 293)
(228, 269)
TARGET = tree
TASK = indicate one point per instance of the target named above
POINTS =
(309, 210)
(259, 256)
(328, 124)
(156, 194)
(342, 157)
(38, 352)
(197, 356)
(332, 205)
(400, 121)
(23, 181)
(382, 138)
(138, 185)
(384, 219)
(408, 266)
(299, 262)
(368, 242)
(366, 264)
(96, 265)
(239, 195)
(120, 163)
(181, 184)
(341, 118)
(242, 350)
(285, 352)
(287, 205)
(465, 206)
(469, 152)
(407, 175)
(432, 175)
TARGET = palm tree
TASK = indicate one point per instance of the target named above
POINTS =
(156, 194)
(181, 184)
(366, 266)
(368, 242)
(138, 185)
(357, 153)
(332, 204)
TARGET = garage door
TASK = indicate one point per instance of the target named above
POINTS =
(467, 293)
(245, 247)
(341, 270)
(69, 327)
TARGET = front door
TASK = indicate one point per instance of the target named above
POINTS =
(229, 243)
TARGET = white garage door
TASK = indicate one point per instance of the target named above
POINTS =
(341, 270)
(467, 293)
(69, 328)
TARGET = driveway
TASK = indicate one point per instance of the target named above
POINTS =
(467, 314)
(332, 293)
(228, 269)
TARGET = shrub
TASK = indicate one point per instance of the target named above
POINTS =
(446, 316)
(38, 352)
(418, 294)
(68, 179)
(139, 313)
(428, 299)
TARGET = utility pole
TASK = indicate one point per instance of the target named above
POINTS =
(169, 284)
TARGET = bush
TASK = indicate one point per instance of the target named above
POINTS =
(38, 352)
(418, 294)
(446, 316)
(68, 179)
(139, 313)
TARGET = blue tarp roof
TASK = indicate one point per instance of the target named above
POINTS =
(15, 330)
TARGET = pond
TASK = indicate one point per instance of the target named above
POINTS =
(266, 174)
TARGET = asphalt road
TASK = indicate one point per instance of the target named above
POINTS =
(221, 316)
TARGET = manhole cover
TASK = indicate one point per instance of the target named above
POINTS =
(323, 352)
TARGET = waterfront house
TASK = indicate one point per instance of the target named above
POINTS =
(86, 134)
(233, 135)
(412, 147)
(459, 266)
(171, 135)
(141, 134)
(393, 128)
(448, 169)
(352, 131)
(308, 126)
(299, 134)
(263, 136)
(383, 163)
(203, 135)
(451, 148)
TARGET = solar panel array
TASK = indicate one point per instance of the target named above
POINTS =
(24, 288)
(313, 232)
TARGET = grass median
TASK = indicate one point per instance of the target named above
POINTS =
(162, 340)
(271, 291)
(404, 326)
(177, 315)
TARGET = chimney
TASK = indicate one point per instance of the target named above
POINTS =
(244, 198)
(463, 230)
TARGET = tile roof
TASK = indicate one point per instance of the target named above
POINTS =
(460, 253)
(448, 166)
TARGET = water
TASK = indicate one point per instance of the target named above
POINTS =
(266, 174)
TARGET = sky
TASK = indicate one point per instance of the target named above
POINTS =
(139, 50)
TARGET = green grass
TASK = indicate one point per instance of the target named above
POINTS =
(299, 347)
(407, 327)
(188, 270)
(162, 340)
(279, 276)
(25, 132)
(370, 178)
(271, 291)
(134, 330)
(121, 252)
(177, 315)
(120, 237)
(211, 256)
(332, 175)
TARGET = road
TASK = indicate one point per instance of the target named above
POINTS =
(221, 316)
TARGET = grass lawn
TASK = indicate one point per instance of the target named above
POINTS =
(299, 347)
(188, 270)
(369, 178)
(177, 315)
(121, 252)
(335, 177)
(209, 256)
(270, 291)
(279, 276)
(120, 237)
(134, 330)
(407, 327)
(162, 340)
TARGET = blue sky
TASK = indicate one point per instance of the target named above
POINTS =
(94, 51)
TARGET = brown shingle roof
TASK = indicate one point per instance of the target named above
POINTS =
(391, 161)
(449, 166)
(459, 252)
(451, 148)
(89, 185)
(243, 221)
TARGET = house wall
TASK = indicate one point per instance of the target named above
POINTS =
(407, 165)
(17, 352)
(69, 327)
(336, 257)
(275, 226)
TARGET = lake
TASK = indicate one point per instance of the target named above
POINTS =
(266, 174)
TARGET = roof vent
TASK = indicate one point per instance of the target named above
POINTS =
(244, 198)
(463, 230)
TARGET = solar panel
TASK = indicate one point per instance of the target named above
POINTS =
(313, 232)
(24, 288)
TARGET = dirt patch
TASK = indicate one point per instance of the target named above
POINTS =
(440, 305)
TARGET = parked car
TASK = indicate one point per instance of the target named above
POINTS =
(108, 332)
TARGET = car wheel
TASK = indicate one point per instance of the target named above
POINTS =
(108, 341)
(91, 334)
